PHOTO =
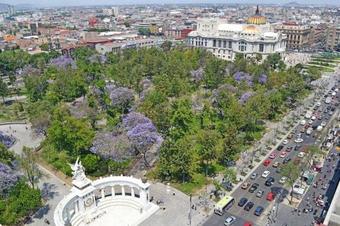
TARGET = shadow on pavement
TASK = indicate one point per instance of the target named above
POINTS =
(42, 212)
(48, 191)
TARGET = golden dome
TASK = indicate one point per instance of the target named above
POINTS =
(257, 18)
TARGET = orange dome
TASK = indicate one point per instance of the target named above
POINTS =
(251, 29)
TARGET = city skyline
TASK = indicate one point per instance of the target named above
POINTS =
(126, 2)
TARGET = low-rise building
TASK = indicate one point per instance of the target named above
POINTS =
(225, 40)
(298, 36)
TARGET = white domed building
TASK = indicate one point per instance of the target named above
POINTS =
(109, 201)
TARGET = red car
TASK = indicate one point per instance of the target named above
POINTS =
(266, 162)
(272, 156)
(247, 224)
(270, 196)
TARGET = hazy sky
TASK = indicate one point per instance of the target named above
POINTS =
(112, 2)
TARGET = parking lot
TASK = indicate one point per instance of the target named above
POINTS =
(289, 150)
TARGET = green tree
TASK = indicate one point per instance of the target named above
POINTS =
(292, 172)
(207, 142)
(6, 156)
(91, 163)
(3, 89)
(70, 134)
(28, 163)
(22, 201)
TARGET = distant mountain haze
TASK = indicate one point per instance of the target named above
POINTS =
(120, 2)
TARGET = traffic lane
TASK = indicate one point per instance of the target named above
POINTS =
(216, 220)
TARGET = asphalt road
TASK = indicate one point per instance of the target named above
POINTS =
(243, 215)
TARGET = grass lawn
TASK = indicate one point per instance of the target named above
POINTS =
(197, 183)
(12, 111)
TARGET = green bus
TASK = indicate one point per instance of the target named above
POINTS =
(224, 204)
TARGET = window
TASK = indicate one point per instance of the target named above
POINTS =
(261, 48)
(214, 43)
(242, 46)
(224, 44)
(230, 45)
(219, 43)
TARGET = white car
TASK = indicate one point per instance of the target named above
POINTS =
(334, 94)
(298, 140)
(323, 124)
(313, 117)
(283, 180)
(319, 128)
(301, 154)
(318, 104)
(229, 220)
(310, 122)
(309, 131)
(303, 122)
(265, 174)
(285, 142)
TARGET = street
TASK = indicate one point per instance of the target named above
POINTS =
(282, 208)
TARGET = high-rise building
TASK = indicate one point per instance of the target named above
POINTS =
(115, 11)
(333, 38)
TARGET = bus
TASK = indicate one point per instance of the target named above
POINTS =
(224, 204)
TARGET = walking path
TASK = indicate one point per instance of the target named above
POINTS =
(53, 188)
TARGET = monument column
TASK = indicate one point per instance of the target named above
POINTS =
(113, 191)
(132, 192)
(103, 193)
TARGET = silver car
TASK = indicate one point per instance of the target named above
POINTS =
(229, 220)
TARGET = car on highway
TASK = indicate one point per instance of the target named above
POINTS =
(282, 180)
(265, 174)
(248, 206)
(266, 162)
(242, 202)
(276, 164)
(259, 193)
(270, 181)
(286, 160)
(245, 185)
(283, 154)
(229, 220)
(253, 187)
(270, 196)
(258, 211)
(272, 156)
(253, 176)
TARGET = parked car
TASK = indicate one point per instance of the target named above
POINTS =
(258, 211)
(229, 220)
(283, 180)
(245, 185)
(253, 187)
(259, 194)
(285, 142)
(272, 156)
(242, 202)
(266, 162)
(248, 206)
(279, 148)
(283, 154)
(270, 181)
(276, 164)
(286, 160)
(265, 174)
(270, 196)
(253, 176)
(301, 154)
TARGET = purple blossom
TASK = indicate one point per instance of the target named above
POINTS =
(132, 119)
(245, 97)
(6, 140)
(112, 146)
(7, 178)
(262, 79)
(141, 132)
(242, 76)
(63, 62)
(121, 96)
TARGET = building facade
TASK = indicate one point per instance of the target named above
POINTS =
(299, 37)
(225, 40)
(333, 38)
